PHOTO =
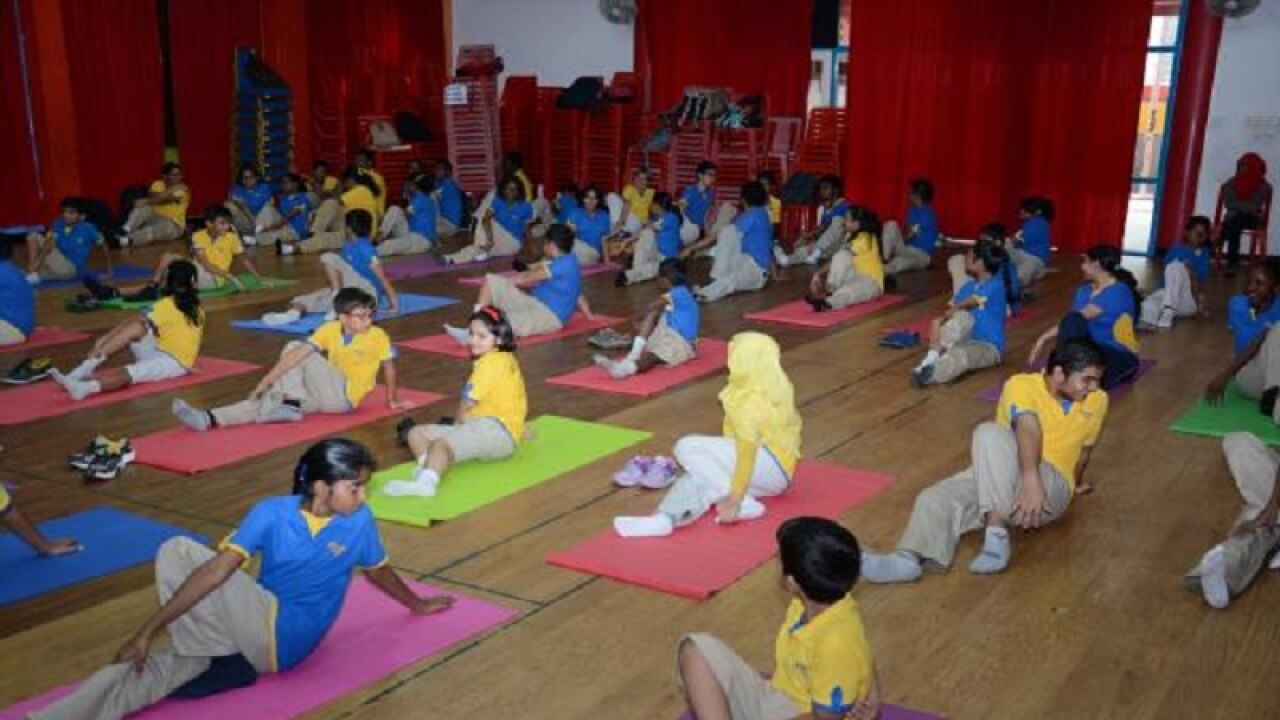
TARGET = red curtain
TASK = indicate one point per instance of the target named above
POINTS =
(995, 100)
(19, 183)
(751, 46)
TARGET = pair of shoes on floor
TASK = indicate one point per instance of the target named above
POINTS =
(103, 458)
(609, 339)
(654, 473)
(30, 370)
(900, 339)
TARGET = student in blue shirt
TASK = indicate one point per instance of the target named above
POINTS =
(63, 252)
(957, 265)
(822, 243)
(970, 334)
(667, 334)
(555, 291)
(1256, 364)
(17, 299)
(1104, 310)
(590, 224)
(228, 626)
(288, 222)
(1186, 269)
(659, 241)
(565, 202)
(696, 203)
(503, 227)
(449, 201)
(744, 250)
(1031, 244)
(246, 200)
(916, 251)
(415, 232)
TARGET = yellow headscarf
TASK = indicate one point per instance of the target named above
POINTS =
(759, 401)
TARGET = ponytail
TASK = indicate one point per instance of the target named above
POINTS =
(867, 223)
(1109, 258)
(331, 461)
(996, 260)
(180, 284)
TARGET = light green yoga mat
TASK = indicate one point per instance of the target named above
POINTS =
(1236, 414)
(558, 445)
(251, 283)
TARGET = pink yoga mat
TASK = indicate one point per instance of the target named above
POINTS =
(799, 313)
(705, 558)
(47, 399)
(445, 345)
(373, 638)
(712, 357)
(1145, 365)
(923, 324)
(587, 271)
(44, 337)
(186, 451)
(887, 712)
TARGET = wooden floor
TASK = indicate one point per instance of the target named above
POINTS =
(1090, 621)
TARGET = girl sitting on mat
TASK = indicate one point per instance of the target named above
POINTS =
(659, 241)
(756, 456)
(227, 626)
(1104, 310)
(970, 334)
(502, 227)
(491, 413)
(165, 341)
(590, 225)
(668, 332)
(993, 233)
(1186, 270)
(856, 273)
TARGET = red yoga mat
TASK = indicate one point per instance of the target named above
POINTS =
(445, 345)
(922, 325)
(587, 271)
(712, 357)
(702, 559)
(47, 399)
(189, 452)
(44, 337)
(799, 314)
(373, 638)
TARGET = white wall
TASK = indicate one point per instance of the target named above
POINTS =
(557, 40)
(1244, 113)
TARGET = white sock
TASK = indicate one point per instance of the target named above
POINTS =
(930, 358)
(995, 553)
(895, 567)
(623, 368)
(85, 368)
(425, 482)
(82, 390)
(476, 308)
(657, 525)
(751, 509)
(1213, 577)
(637, 347)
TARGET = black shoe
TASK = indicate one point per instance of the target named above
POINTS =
(29, 370)
(98, 290)
(620, 280)
(818, 304)
(519, 265)
(1268, 402)
(83, 459)
(402, 430)
(114, 457)
(83, 303)
(228, 672)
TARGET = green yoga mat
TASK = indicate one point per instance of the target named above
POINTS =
(1236, 414)
(557, 445)
(251, 283)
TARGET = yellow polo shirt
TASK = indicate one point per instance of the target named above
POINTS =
(358, 357)
(526, 183)
(177, 211)
(775, 209)
(175, 335)
(639, 201)
(496, 389)
(823, 663)
(360, 198)
(220, 252)
(866, 257)
(380, 202)
(1067, 427)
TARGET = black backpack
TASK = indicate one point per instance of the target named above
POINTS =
(800, 189)
(412, 128)
(584, 94)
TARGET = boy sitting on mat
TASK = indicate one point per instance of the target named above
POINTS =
(1256, 366)
(823, 667)
(303, 382)
(667, 334)
(743, 249)
(1026, 466)
(549, 304)
(18, 523)
(17, 300)
(63, 252)
(227, 626)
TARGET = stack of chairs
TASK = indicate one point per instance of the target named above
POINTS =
(473, 127)
(263, 125)
(821, 150)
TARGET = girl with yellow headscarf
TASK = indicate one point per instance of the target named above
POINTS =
(756, 456)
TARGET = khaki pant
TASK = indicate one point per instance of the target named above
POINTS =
(848, 286)
(10, 335)
(56, 266)
(586, 254)
(322, 300)
(1253, 466)
(957, 505)
(316, 384)
(527, 315)
(669, 346)
(399, 240)
(248, 225)
(147, 226)
(960, 352)
(327, 232)
(732, 271)
(1029, 267)
(901, 257)
(645, 258)
(751, 696)
(237, 617)
(482, 438)
(827, 243)
(268, 217)
(444, 228)
(690, 232)
(959, 275)
(503, 244)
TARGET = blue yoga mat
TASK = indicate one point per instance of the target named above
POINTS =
(119, 273)
(409, 305)
(113, 540)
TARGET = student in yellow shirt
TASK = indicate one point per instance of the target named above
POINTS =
(630, 210)
(165, 341)
(856, 272)
(491, 414)
(213, 250)
(770, 183)
(823, 666)
(365, 164)
(162, 215)
(321, 185)
(331, 372)
(19, 525)
(1026, 466)
(359, 192)
(754, 457)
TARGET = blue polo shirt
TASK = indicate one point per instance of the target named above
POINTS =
(757, 235)
(565, 205)
(697, 200)
(514, 217)
(839, 209)
(422, 215)
(1114, 326)
(449, 196)
(17, 298)
(1035, 237)
(682, 313)
(668, 236)
(1196, 260)
(362, 256)
(308, 575)
(989, 316)
(254, 198)
(75, 241)
(300, 222)
(926, 238)
(560, 291)
(1246, 323)
(590, 227)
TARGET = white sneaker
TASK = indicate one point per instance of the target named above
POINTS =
(249, 240)
(288, 249)
(276, 319)
(33, 278)
(813, 258)
(1165, 320)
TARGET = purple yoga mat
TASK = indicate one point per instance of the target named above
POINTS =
(425, 266)
(887, 712)
(1145, 365)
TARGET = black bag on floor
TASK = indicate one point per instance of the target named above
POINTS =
(412, 128)
(583, 94)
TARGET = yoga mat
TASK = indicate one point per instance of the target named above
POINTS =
(887, 712)
(374, 637)
(426, 266)
(186, 451)
(712, 357)
(113, 540)
(445, 345)
(922, 325)
(587, 271)
(46, 399)
(45, 337)
(1236, 414)
(1145, 365)
(251, 284)
(410, 304)
(705, 558)
(552, 447)
(800, 314)
(120, 273)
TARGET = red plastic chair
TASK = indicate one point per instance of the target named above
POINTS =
(1256, 238)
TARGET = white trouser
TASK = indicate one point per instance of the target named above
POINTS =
(615, 203)
(708, 463)
(1176, 295)
(732, 270)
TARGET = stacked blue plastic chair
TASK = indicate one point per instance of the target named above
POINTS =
(263, 128)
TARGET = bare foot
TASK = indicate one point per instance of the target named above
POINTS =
(1084, 488)
(63, 546)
